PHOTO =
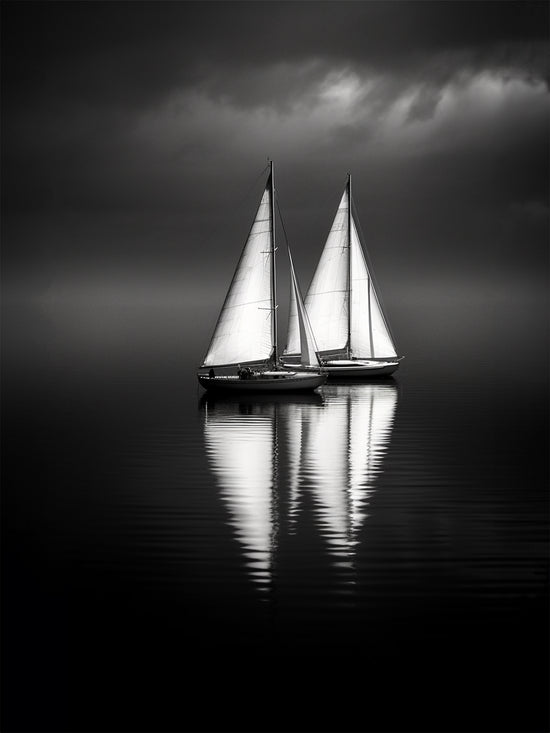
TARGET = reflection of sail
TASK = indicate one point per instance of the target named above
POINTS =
(372, 410)
(241, 452)
(325, 465)
(343, 457)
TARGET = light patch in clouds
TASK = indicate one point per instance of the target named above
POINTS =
(469, 109)
(343, 90)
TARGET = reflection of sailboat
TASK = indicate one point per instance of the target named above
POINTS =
(243, 349)
(343, 457)
(344, 308)
(269, 454)
(241, 439)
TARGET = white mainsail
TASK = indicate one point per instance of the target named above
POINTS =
(244, 331)
(300, 322)
(364, 331)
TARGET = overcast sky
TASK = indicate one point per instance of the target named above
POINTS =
(135, 133)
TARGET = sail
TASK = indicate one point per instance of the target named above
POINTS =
(370, 336)
(329, 296)
(299, 322)
(244, 331)
(327, 299)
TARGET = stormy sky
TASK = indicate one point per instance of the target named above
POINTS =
(134, 136)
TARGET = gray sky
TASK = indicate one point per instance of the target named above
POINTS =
(134, 134)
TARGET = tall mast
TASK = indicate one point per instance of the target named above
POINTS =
(273, 269)
(349, 266)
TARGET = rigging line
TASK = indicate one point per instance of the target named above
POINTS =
(374, 281)
(281, 217)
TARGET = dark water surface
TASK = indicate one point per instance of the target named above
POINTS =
(373, 557)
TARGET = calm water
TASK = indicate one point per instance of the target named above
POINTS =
(373, 557)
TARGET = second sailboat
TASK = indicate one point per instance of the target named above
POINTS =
(344, 309)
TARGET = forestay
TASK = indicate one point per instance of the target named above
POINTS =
(244, 331)
(299, 322)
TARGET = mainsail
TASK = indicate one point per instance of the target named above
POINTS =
(342, 304)
(244, 331)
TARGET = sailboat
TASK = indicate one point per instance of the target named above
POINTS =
(343, 307)
(243, 353)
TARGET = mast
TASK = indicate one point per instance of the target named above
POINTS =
(349, 266)
(371, 340)
(273, 269)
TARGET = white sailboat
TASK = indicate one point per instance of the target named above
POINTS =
(344, 309)
(243, 353)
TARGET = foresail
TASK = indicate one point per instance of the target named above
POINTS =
(244, 329)
(370, 336)
(293, 331)
(299, 323)
(327, 298)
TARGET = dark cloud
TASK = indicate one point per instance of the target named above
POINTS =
(133, 52)
(129, 128)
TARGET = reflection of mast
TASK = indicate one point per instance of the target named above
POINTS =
(295, 435)
(242, 450)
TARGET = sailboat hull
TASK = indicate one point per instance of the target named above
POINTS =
(283, 382)
(364, 369)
